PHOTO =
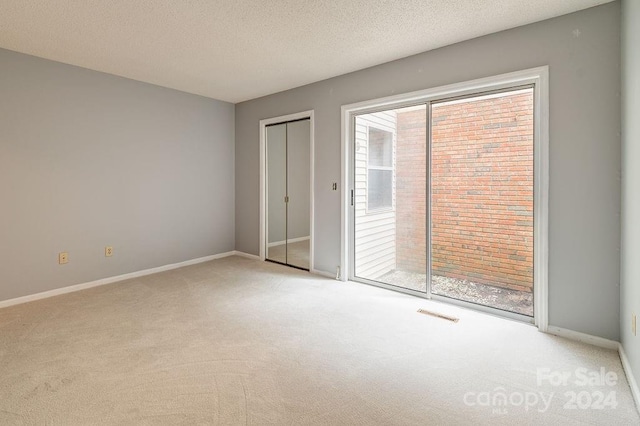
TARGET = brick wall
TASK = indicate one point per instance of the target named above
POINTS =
(482, 190)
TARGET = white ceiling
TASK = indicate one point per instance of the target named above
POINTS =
(234, 50)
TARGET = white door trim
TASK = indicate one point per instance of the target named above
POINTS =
(263, 183)
(540, 78)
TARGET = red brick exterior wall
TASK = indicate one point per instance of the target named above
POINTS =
(482, 191)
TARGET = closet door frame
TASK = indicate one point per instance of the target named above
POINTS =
(263, 177)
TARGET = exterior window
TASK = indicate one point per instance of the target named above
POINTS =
(380, 170)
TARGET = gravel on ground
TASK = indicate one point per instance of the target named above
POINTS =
(506, 299)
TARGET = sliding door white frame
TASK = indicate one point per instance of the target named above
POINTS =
(539, 78)
(263, 178)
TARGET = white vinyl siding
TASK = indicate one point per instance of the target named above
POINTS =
(375, 244)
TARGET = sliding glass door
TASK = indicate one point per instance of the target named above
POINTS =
(442, 200)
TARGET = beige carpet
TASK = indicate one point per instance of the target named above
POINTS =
(237, 341)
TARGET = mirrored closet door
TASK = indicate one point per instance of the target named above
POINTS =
(288, 199)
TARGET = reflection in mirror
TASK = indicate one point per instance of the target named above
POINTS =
(276, 192)
(298, 177)
(288, 180)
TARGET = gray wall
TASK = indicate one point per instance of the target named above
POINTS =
(583, 53)
(89, 159)
(630, 262)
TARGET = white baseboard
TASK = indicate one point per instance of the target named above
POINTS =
(290, 240)
(607, 344)
(110, 280)
(635, 391)
(583, 337)
(323, 273)
(247, 255)
(313, 271)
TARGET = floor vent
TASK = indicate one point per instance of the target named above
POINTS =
(438, 315)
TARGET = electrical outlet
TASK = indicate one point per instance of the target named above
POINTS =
(108, 251)
(633, 324)
(63, 258)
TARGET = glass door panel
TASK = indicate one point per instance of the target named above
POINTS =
(482, 200)
(390, 197)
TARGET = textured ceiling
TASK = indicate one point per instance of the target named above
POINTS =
(235, 50)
